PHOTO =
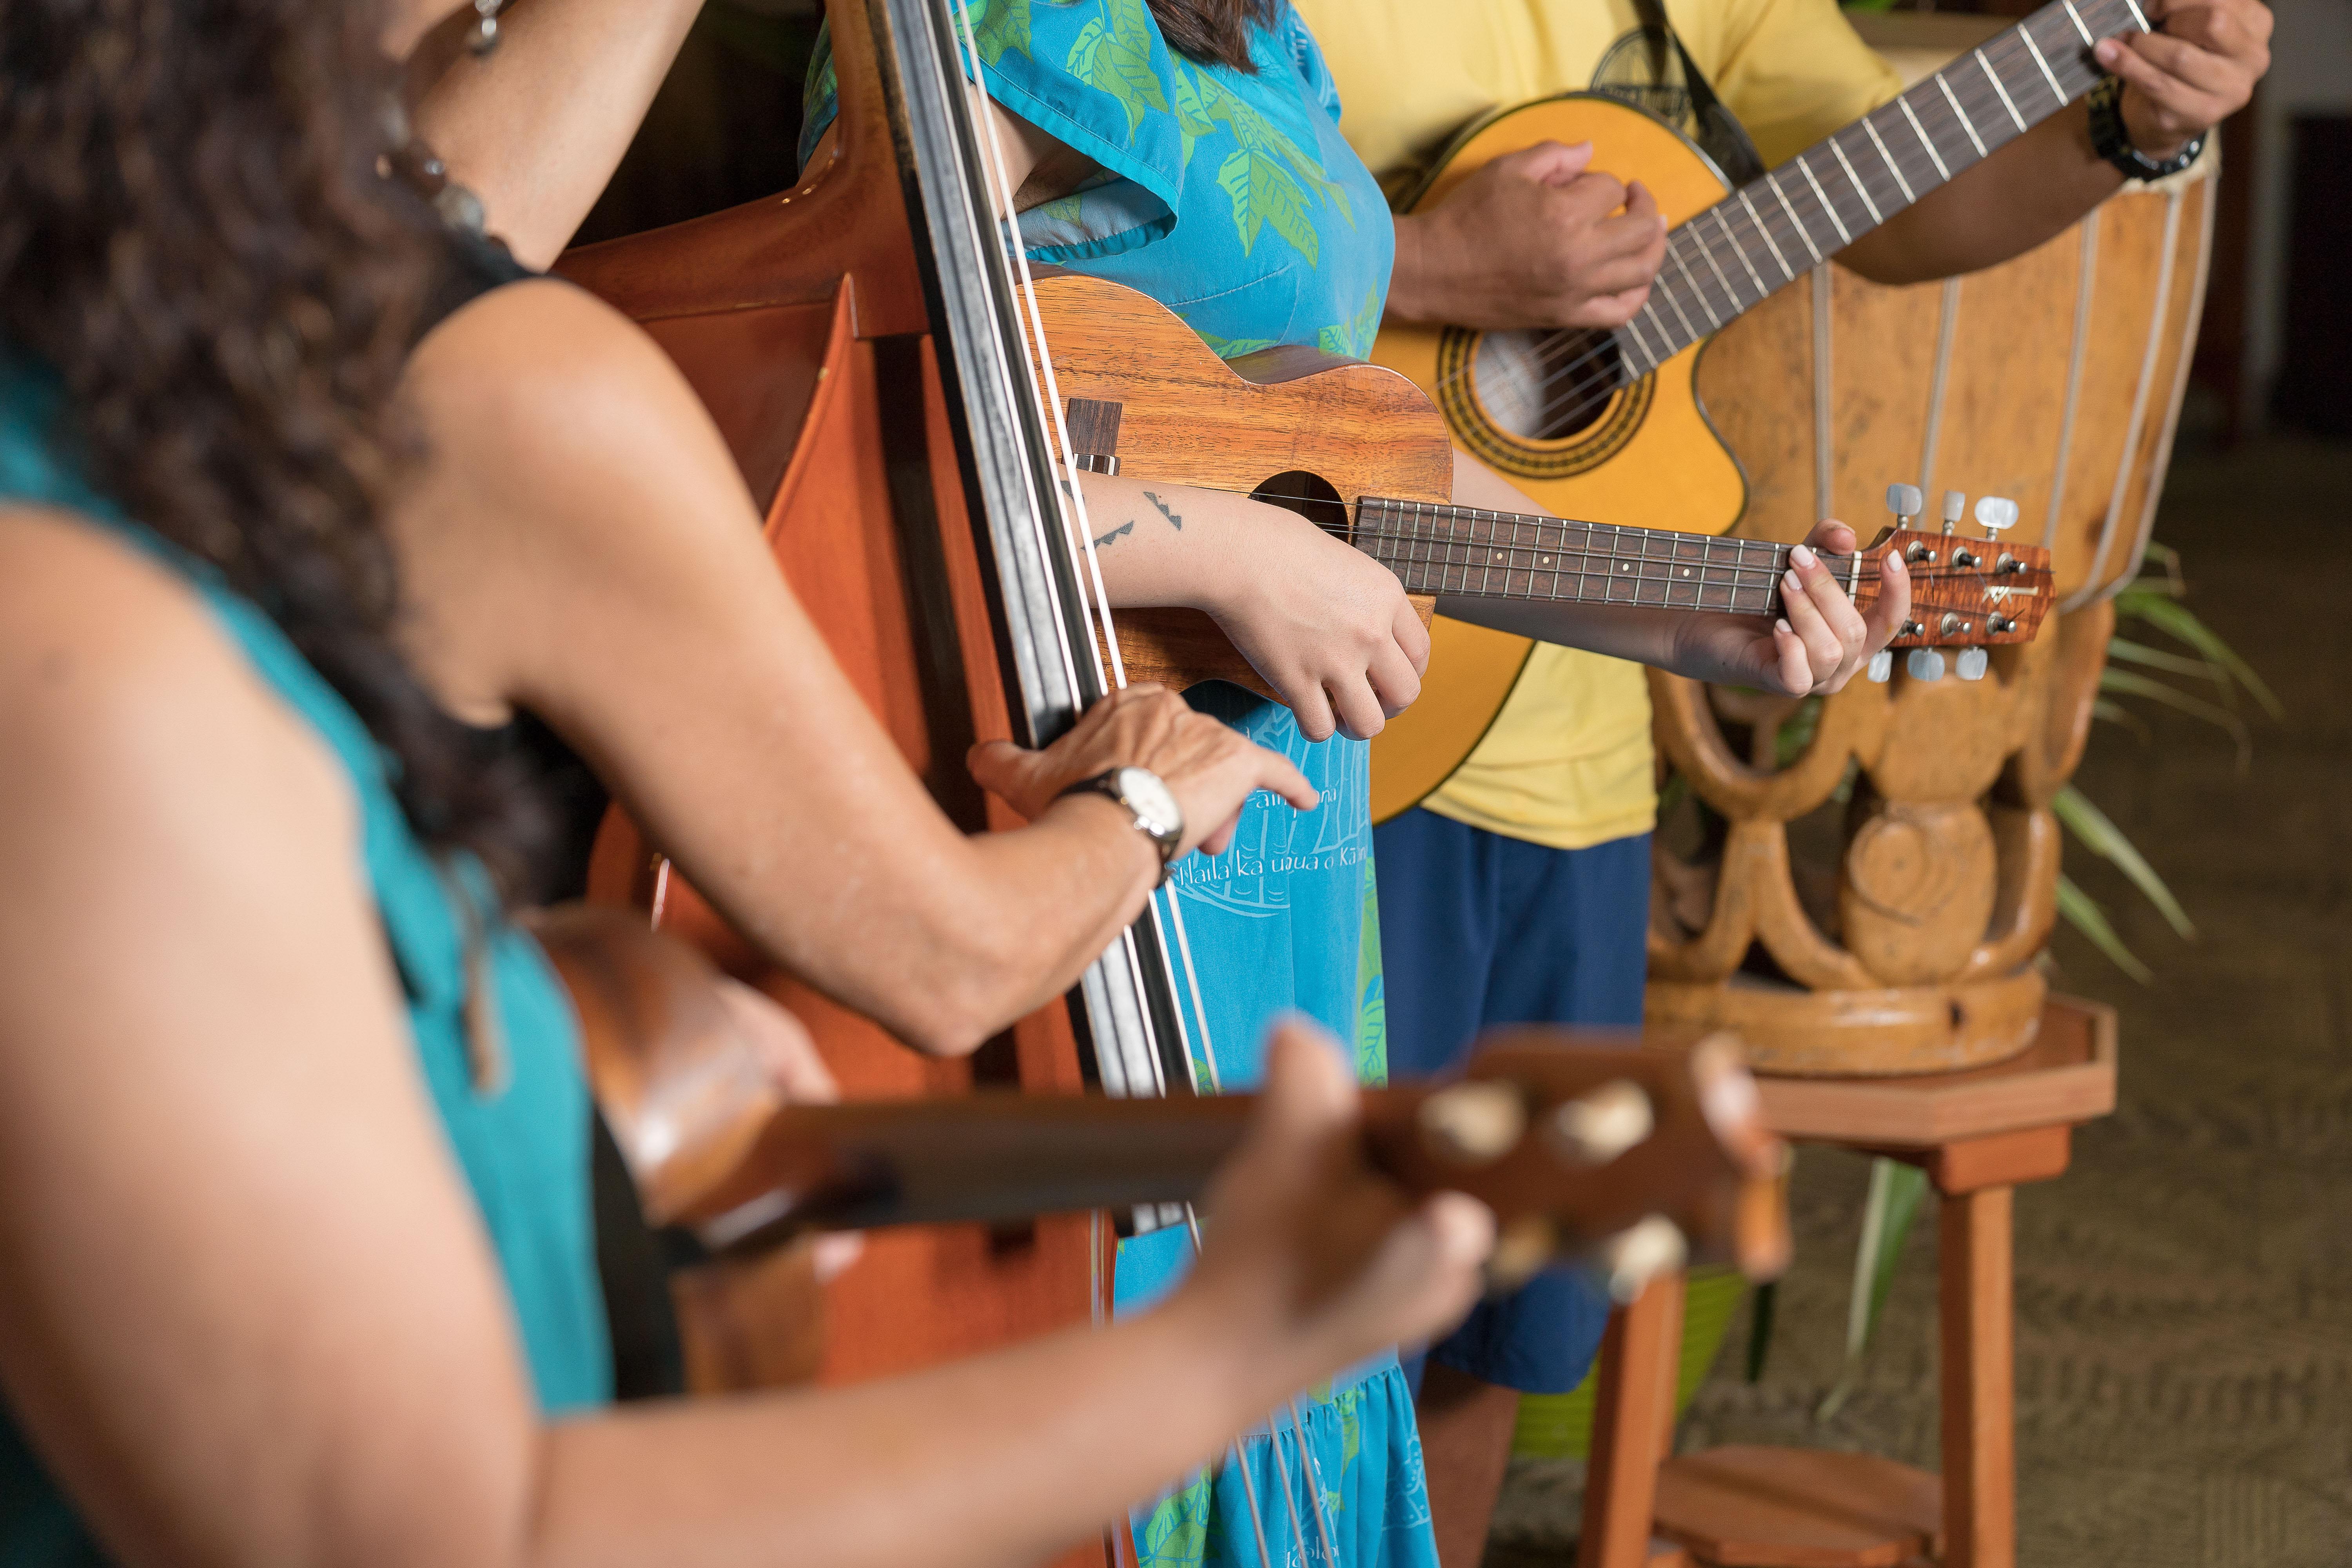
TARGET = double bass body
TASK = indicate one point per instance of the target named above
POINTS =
(803, 323)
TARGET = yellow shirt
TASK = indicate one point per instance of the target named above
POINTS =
(1568, 761)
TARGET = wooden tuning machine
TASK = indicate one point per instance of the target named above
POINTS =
(1597, 1127)
(1474, 1122)
(1636, 1256)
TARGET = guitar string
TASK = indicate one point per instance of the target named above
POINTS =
(1971, 97)
(1975, 103)
(1572, 374)
(1074, 516)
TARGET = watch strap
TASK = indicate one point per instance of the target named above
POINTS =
(1107, 785)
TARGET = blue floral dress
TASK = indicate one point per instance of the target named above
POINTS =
(1231, 197)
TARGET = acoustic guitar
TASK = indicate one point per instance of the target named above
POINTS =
(1646, 1158)
(1608, 424)
(1359, 450)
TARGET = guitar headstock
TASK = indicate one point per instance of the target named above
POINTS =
(1646, 1158)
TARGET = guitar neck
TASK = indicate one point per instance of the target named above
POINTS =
(1451, 550)
(1770, 232)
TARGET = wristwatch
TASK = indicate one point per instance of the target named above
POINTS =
(2111, 140)
(1153, 804)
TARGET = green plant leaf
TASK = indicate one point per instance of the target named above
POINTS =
(2117, 713)
(2105, 839)
(2134, 685)
(1265, 192)
(2157, 659)
(1887, 1215)
(2177, 620)
(2083, 912)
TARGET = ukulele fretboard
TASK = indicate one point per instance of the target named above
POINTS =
(1775, 228)
(1448, 550)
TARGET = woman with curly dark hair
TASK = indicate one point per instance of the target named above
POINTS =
(295, 1266)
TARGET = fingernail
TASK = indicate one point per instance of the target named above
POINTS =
(1894, 562)
(1801, 555)
(1796, 585)
(1784, 621)
(2106, 50)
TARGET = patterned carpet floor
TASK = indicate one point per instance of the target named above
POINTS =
(2184, 1293)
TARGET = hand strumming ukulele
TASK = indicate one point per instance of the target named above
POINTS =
(1356, 449)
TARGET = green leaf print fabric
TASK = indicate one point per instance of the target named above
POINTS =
(1279, 233)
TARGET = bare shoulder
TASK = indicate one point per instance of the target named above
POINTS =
(120, 692)
(543, 374)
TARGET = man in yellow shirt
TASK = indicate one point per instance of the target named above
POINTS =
(1520, 891)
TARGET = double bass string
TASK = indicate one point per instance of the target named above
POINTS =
(1072, 510)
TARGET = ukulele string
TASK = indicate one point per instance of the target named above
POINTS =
(1348, 532)
(1094, 606)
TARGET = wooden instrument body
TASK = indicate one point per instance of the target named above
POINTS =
(1192, 418)
(1650, 460)
(800, 321)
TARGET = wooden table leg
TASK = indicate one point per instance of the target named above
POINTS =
(1632, 1420)
(1979, 1379)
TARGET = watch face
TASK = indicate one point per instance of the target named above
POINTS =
(1148, 797)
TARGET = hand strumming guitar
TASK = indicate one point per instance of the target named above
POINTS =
(1536, 238)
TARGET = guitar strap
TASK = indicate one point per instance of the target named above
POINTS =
(1716, 130)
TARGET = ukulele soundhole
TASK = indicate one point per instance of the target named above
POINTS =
(1538, 404)
(1309, 495)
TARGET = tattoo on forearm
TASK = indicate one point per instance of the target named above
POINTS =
(1105, 541)
(1173, 521)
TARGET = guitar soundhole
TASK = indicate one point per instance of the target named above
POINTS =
(1547, 385)
(1309, 495)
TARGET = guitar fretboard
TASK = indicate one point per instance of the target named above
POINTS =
(1773, 229)
(1449, 549)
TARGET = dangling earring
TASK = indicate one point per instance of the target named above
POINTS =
(484, 36)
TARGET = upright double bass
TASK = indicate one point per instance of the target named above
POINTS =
(859, 343)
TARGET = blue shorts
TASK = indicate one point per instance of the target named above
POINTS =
(1477, 929)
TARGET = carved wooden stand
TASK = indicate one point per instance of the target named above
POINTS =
(2055, 380)
(1977, 1133)
(1904, 949)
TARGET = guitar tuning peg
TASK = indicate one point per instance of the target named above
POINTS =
(1970, 665)
(1633, 1257)
(1474, 1122)
(1905, 501)
(1595, 1128)
(1925, 664)
(1955, 503)
(1882, 666)
(1995, 514)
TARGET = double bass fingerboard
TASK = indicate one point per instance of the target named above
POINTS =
(1775, 228)
(1457, 550)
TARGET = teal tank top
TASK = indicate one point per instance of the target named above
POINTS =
(524, 1149)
